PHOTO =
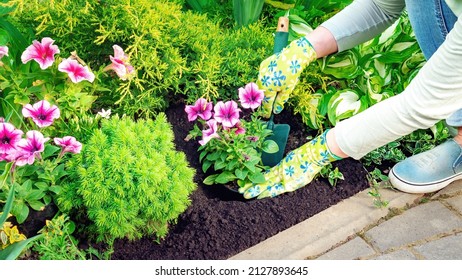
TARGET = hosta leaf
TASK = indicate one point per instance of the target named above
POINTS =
(344, 104)
(342, 66)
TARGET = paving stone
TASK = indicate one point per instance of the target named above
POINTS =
(446, 248)
(397, 255)
(453, 188)
(456, 202)
(332, 226)
(352, 250)
(414, 224)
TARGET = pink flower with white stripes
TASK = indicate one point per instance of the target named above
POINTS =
(42, 52)
(42, 113)
(30, 148)
(68, 144)
(76, 71)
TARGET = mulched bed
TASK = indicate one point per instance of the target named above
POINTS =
(219, 223)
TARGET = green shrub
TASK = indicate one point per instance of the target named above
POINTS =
(129, 180)
(173, 50)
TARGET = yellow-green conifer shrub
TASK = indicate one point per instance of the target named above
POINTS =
(174, 50)
(129, 180)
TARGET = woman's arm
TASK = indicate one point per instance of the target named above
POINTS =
(359, 22)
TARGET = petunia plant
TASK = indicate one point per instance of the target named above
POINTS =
(30, 163)
(38, 72)
(232, 145)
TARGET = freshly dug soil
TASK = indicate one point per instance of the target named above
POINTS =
(219, 223)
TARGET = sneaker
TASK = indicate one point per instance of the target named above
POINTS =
(429, 171)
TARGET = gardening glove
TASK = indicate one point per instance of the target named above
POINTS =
(294, 171)
(279, 74)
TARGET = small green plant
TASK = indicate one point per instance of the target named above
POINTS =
(376, 180)
(57, 242)
(129, 180)
(233, 146)
(332, 174)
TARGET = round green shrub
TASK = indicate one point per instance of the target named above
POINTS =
(129, 180)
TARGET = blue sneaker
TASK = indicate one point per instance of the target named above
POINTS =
(429, 171)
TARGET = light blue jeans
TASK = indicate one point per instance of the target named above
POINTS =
(431, 21)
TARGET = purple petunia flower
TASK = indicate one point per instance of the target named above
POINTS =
(209, 133)
(42, 52)
(227, 113)
(76, 71)
(42, 113)
(30, 148)
(251, 96)
(9, 138)
(69, 144)
(201, 108)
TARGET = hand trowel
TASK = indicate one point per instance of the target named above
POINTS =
(280, 131)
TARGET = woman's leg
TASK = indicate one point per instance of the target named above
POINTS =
(432, 96)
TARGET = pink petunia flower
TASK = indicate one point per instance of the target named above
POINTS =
(239, 129)
(209, 133)
(76, 71)
(30, 148)
(120, 63)
(3, 51)
(251, 96)
(227, 113)
(43, 53)
(69, 144)
(201, 108)
(42, 113)
(9, 138)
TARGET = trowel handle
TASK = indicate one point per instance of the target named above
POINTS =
(281, 37)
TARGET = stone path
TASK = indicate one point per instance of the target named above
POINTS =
(411, 227)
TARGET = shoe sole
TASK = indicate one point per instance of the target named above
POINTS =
(407, 187)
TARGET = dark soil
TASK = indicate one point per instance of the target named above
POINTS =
(219, 223)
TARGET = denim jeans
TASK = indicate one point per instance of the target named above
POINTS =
(431, 21)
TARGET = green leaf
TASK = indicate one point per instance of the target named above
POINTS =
(213, 156)
(20, 210)
(42, 186)
(34, 195)
(206, 165)
(241, 174)
(257, 178)
(343, 65)
(270, 146)
(225, 177)
(36, 205)
(7, 207)
(49, 151)
(210, 180)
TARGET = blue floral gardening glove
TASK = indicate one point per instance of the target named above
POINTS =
(294, 171)
(279, 74)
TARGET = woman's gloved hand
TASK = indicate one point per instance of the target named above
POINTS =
(279, 74)
(294, 171)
